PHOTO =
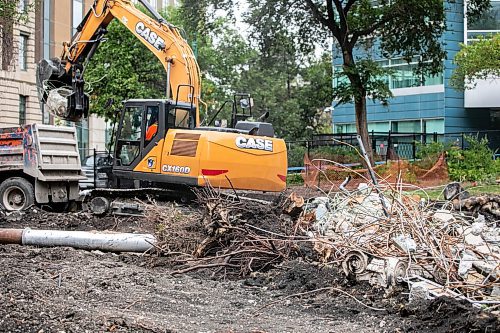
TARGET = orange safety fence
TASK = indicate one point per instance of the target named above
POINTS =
(327, 173)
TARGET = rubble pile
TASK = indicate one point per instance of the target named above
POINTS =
(392, 237)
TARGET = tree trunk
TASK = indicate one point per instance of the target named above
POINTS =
(359, 104)
(362, 126)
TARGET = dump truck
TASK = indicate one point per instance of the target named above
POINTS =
(39, 164)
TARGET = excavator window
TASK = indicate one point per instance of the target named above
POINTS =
(129, 141)
(180, 118)
(152, 112)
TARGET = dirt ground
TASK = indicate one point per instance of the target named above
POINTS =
(68, 290)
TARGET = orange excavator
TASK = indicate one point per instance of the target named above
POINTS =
(159, 142)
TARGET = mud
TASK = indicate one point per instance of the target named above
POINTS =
(68, 290)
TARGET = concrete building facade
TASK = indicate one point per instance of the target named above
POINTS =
(430, 104)
(18, 94)
(48, 24)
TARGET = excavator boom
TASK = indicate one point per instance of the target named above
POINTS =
(61, 80)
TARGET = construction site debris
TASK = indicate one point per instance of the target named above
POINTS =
(57, 101)
(230, 237)
(459, 256)
(455, 190)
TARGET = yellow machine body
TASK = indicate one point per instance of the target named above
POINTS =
(204, 157)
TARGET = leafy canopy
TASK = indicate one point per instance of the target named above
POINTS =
(479, 60)
(122, 68)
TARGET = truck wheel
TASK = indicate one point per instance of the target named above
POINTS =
(16, 194)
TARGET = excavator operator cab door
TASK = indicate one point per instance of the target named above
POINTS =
(142, 126)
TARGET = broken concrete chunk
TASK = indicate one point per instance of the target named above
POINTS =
(363, 188)
(477, 228)
(320, 212)
(419, 291)
(480, 219)
(405, 243)
(466, 264)
(487, 269)
(496, 291)
(472, 239)
(443, 216)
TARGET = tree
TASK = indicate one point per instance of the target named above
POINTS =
(122, 68)
(402, 28)
(479, 60)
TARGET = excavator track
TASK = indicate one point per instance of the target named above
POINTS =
(129, 202)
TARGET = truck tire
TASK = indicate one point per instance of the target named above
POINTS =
(16, 193)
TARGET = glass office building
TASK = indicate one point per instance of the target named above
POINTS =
(428, 104)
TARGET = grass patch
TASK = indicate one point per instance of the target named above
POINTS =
(294, 179)
(437, 193)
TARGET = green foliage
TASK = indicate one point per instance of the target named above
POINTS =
(403, 27)
(339, 154)
(473, 164)
(426, 150)
(294, 179)
(123, 68)
(10, 10)
(428, 153)
(295, 155)
(374, 77)
(478, 60)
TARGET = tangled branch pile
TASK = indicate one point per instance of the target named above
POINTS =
(230, 237)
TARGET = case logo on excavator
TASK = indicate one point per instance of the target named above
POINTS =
(150, 36)
(251, 143)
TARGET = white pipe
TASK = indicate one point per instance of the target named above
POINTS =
(116, 242)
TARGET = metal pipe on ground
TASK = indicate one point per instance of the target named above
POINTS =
(114, 242)
(11, 236)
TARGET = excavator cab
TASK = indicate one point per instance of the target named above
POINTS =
(142, 126)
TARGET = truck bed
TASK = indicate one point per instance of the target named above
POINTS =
(45, 152)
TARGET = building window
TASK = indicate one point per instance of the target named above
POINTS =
(82, 133)
(344, 128)
(46, 29)
(433, 126)
(77, 15)
(379, 127)
(403, 75)
(23, 51)
(23, 6)
(486, 25)
(413, 126)
(22, 109)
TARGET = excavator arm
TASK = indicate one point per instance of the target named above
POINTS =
(160, 37)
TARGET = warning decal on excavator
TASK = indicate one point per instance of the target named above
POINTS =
(150, 36)
(251, 143)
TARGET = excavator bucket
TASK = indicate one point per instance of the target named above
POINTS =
(61, 93)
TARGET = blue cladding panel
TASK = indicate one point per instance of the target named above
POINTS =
(398, 109)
